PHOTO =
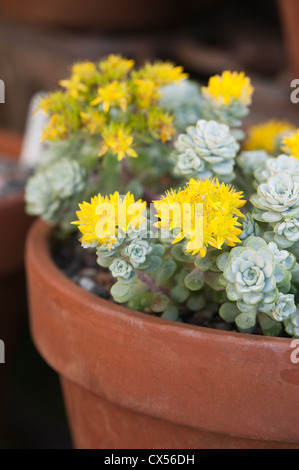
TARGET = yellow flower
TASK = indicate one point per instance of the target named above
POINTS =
(74, 87)
(161, 124)
(55, 128)
(118, 140)
(162, 73)
(146, 92)
(229, 87)
(93, 120)
(105, 218)
(264, 136)
(205, 213)
(84, 71)
(291, 144)
(115, 66)
(114, 94)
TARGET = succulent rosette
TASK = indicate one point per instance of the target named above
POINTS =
(277, 199)
(249, 160)
(249, 228)
(251, 275)
(292, 325)
(213, 144)
(50, 191)
(283, 308)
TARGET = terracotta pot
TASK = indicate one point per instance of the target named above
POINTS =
(106, 15)
(134, 381)
(289, 10)
(14, 227)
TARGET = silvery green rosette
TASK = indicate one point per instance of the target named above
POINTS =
(206, 150)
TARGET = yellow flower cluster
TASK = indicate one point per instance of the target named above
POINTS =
(117, 140)
(99, 98)
(264, 136)
(101, 220)
(229, 87)
(161, 124)
(291, 144)
(213, 209)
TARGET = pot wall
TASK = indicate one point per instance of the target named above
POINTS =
(183, 385)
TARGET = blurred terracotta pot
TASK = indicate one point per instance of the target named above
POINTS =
(14, 227)
(289, 10)
(15, 223)
(134, 381)
(106, 15)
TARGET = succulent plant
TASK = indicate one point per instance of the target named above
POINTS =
(184, 100)
(249, 160)
(286, 232)
(137, 252)
(292, 325)
(250, 228)
(273, 166)
(213, 144)
(121, 269)
(230, 115)
(51, 190)
(251, 275)
(189, 163)
(283, 257)
(283, 308)
(277, 199)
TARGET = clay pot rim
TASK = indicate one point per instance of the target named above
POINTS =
(100, 346)
(39, 237)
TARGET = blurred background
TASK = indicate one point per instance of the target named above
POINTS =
(39, 41)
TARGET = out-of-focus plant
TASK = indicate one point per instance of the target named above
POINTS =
(108, 122)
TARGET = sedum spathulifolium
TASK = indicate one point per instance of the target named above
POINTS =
(118, 135)
(118, 124)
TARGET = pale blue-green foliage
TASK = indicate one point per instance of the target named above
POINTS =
(283, 257)
(273, 166)
(252, 276)
(283, 308)
(286, 232)
(249, 160)
(277, 198)
(230, 115)
(121, 269)
(206, 150)
(137, 252)
(292, 325)
(51, 190)
(183, 100)
(249, 228)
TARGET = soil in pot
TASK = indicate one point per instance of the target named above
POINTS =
(132, 380)
(80, 267)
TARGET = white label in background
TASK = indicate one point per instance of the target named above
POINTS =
(2, 352)
(32, 142)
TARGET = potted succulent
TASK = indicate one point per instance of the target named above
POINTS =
(175, 324)
(12, 238)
